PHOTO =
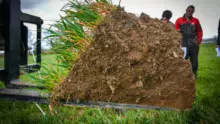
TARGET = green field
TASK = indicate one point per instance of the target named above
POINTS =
(206, 106)
(45, 58)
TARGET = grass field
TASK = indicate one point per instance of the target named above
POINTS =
(206, 106)
(45, 58)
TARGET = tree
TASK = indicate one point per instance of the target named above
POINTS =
(31, 40)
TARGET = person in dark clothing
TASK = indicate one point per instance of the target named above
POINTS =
(166, 16)
(218, 40)
(192, 33)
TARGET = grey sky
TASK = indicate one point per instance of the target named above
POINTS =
(207, 11)
(30, 4)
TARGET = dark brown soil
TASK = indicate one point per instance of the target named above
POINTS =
(132, 60)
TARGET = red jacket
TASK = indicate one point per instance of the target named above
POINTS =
(193, 21)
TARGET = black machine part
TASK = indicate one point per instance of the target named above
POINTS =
(14, 40)
(43, 98)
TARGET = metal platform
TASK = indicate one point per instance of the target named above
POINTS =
(17, 84)
(24, 95)
(36, 96)
(114, 105)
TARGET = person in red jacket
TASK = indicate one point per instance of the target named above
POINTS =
(192, 33)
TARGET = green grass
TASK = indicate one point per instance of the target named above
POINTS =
(45, 58)
(1, 62)
(206, 107)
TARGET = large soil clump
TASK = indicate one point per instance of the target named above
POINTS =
(132, 60)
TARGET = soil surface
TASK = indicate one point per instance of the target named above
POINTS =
(135, 60)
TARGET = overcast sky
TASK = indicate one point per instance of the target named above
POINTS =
(207, 11)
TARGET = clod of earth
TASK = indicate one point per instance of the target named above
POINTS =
(135, 60)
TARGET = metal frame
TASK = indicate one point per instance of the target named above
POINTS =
(15, 35)
(36, 96)
(12, 39)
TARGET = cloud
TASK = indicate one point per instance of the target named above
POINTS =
(30, 4)
(206, 11)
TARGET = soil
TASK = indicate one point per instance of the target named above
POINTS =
(135, 60)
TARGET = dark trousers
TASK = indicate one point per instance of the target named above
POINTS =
(192, 54)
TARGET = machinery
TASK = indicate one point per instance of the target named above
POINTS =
(14, 47)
